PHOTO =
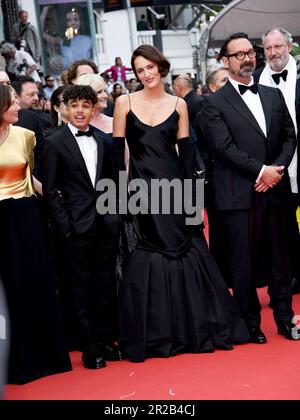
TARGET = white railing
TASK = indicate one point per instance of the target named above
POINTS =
(145, 37)
(102, 54)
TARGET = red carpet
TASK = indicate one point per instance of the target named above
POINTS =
(270, 371)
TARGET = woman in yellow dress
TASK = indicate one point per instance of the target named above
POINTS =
(37, 339)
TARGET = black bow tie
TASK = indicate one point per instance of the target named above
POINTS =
(276, 76)
(88, 133)
(244, 88)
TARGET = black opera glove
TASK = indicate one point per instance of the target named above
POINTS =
(119, 163)
(186, 156)
(118, 153)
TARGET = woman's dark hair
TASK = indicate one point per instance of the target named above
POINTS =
(72, 71)
(5, 100)
(55, 101)
(78, 92)
(117, 85)
(152, 54)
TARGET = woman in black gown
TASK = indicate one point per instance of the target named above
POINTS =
(174, 298)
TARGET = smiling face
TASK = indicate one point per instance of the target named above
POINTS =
(147, 72)
(73, 20)
(102, 96)
(11, 115)
(80, 112)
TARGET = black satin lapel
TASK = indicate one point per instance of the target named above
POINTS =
(266, 102)
(72, 145)
(100, 152)
(239, 105)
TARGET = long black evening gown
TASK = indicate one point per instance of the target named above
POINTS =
(173, 297)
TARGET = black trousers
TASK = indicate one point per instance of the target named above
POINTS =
(293, 235)
(92, 259)
(254, 236)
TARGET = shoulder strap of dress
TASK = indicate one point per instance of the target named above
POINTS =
(176, 102)
(129, 101)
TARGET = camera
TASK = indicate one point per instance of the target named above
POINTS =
(23, 44)
(22, 67)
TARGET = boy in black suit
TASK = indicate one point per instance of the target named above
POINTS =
(74, 160)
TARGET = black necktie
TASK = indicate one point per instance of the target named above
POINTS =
(88, 133)
(244, 88)
(276, 76)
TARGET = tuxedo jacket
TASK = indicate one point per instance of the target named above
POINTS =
(194, 104)
(29, 119)
(256, 76)
(241, 148)
(66, 182)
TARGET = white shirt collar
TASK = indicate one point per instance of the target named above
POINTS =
(74, 130)
(236, 84)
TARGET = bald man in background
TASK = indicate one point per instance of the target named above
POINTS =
(183, 87)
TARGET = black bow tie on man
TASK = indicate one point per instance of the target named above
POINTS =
(244, 88)
(276, 76)
(87, 133)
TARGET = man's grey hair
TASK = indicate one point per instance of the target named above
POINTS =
(7, 48)
(287, 36)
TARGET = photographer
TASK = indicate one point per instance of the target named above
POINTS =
(19, 63)
(25, 36)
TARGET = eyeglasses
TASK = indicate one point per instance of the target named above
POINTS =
(50, 80)
(59, 102)
(241, 55)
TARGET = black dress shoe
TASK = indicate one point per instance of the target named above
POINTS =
(288, 330)
(92, 358)
(110, 351)
(257, 336)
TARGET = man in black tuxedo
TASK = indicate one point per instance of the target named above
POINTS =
(183, 88)
(27, 92)
(251, 134)
(280, 72)
(74, 159)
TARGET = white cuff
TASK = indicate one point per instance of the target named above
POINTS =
(260, 173)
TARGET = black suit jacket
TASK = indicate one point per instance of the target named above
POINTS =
(256, 76)
(29, 119)
(194, 104)
(64, 170)
(240, 147)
